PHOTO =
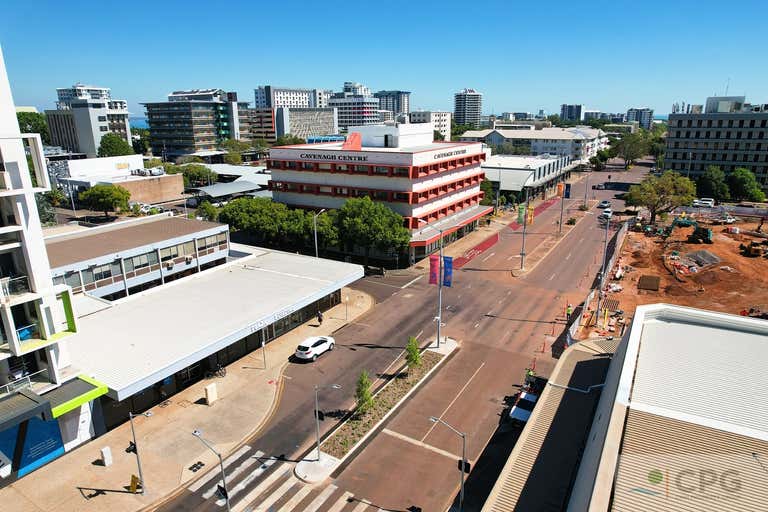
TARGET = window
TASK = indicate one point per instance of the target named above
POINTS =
(290, 165)
(169, 253)
(103, 128)
(221, 238)
(103, 119)
(101, 272)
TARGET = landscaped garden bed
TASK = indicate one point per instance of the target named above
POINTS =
(358, 425)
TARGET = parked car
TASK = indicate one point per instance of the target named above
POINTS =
(599, 186)
(521, 410)
(314, 346)
(707, 202)
(725, 219)
(606, 214)
(604, 204)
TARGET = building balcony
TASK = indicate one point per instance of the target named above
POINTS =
(39, 382)
(12, 181)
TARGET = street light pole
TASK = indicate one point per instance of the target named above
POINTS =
(586, 188)
(525, 226)
(314, 221)
(439, 283)
(317, 414)
(562, 207)
(199, 435)
(463, 436)
(136, 447)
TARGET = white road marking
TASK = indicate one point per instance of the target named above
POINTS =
(509, 292)
(341, 502)
(296, 499)
(513, 257)
(454, 399)
(489, 256)
(478, 323)
(321, 498)
(551, 277)
(250, 461)
(263, 486)
(419, 443)
(409, 283)
(568, 257)
(361, 506)
(215, 472)
(277, 494)
(420, 333)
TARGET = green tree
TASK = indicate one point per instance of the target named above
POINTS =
(233, 159)
(744, 186)
(189, 159)
(207, 211)
(328, 229)
(195, 175)
(45, 210)
(288, 139)
(487, 188)
(114, 145)
(260, 144)
(153, 162)
(55, 197)
(661, 194)
(363, 393)
(412, 353)
(140, 140)
(597, 163)
(34, 122)
(234, 145)
(457, 130)
(436, 135)
(370, 225)
(712, 184)
(630, 148)
(106, 198)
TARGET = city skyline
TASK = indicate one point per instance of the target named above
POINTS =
(638, 71)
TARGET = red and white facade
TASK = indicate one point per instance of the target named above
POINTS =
(428, 183)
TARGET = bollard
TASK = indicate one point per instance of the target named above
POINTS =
(211, 395)
(106, 456)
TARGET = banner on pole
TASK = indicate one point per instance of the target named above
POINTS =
(447, 271)
(560, 189)
(434, 268)
(567, 191)
(530, 215)
(520, 213)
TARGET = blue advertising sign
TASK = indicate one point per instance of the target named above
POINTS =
(567, 194)
(42, 444)
(447, 270)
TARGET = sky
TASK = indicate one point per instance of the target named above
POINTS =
(522, 55)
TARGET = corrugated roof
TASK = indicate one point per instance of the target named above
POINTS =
(227, 189)
(544, 133)
(85, 245)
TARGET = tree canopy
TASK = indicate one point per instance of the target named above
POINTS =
(712, 184)
(34, 122)
(288, 139)
(114, 145)
(195, 175)
(367, 224)
(437, 136)
(457, 130)
(140, 140)
(105, 198)
(661, 194)
(744, 186)
(631, 147)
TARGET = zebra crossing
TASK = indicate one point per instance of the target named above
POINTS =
(258, 483)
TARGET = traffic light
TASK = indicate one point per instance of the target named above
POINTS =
(467, 466)
(131, 447)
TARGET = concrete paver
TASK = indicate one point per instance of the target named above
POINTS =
(247, 396)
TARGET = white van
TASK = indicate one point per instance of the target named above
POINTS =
(706, 202)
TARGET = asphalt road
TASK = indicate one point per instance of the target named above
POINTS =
(502, 323)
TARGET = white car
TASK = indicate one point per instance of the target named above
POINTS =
(607, 214)
(523, 407)
(312, 347)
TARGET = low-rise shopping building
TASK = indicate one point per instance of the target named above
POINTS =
(579, 143)
(128, 257)
(516, 173)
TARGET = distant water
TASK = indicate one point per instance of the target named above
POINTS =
(138, 122)
(662, 117)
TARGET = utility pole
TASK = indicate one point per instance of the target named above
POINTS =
(586, 188)
(602, 272)
(562, 207)
(525, 225)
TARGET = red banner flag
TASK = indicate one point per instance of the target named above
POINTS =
(434, 268)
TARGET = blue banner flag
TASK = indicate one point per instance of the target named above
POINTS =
(567, 191)
(447, 270)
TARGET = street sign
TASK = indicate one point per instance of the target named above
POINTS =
(134, 483)
(467, 466)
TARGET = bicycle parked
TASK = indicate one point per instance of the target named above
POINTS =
(219, 371)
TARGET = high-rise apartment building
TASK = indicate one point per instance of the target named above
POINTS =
(643, 115)
(37, 320)
(468, 107)
(572, 112)
(732, 135)
(196, 120)
(356, 89)
(441, 121)
(269, 96)
(355, 106)
(83, 115)
(397, 102)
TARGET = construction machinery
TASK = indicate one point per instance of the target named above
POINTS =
(700, 235)
(754, 249)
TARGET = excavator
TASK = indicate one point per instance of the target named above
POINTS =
(698, 236)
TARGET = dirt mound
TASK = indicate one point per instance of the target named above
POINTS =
(641, 260)
(705, 278)
(675, 290)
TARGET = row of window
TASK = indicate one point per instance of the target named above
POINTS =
(760, 172)
(378, 194)
(747, 146)
(678, 134)
(734, 157)
(753, 123)
(443, 211)
(378, 169)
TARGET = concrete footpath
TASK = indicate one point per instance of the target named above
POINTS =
(248, 395)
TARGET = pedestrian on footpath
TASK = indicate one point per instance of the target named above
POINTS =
(568, 312)
(320, 317)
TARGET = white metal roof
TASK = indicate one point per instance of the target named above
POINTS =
(575, 133)
(225, 189)
(146, 337)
